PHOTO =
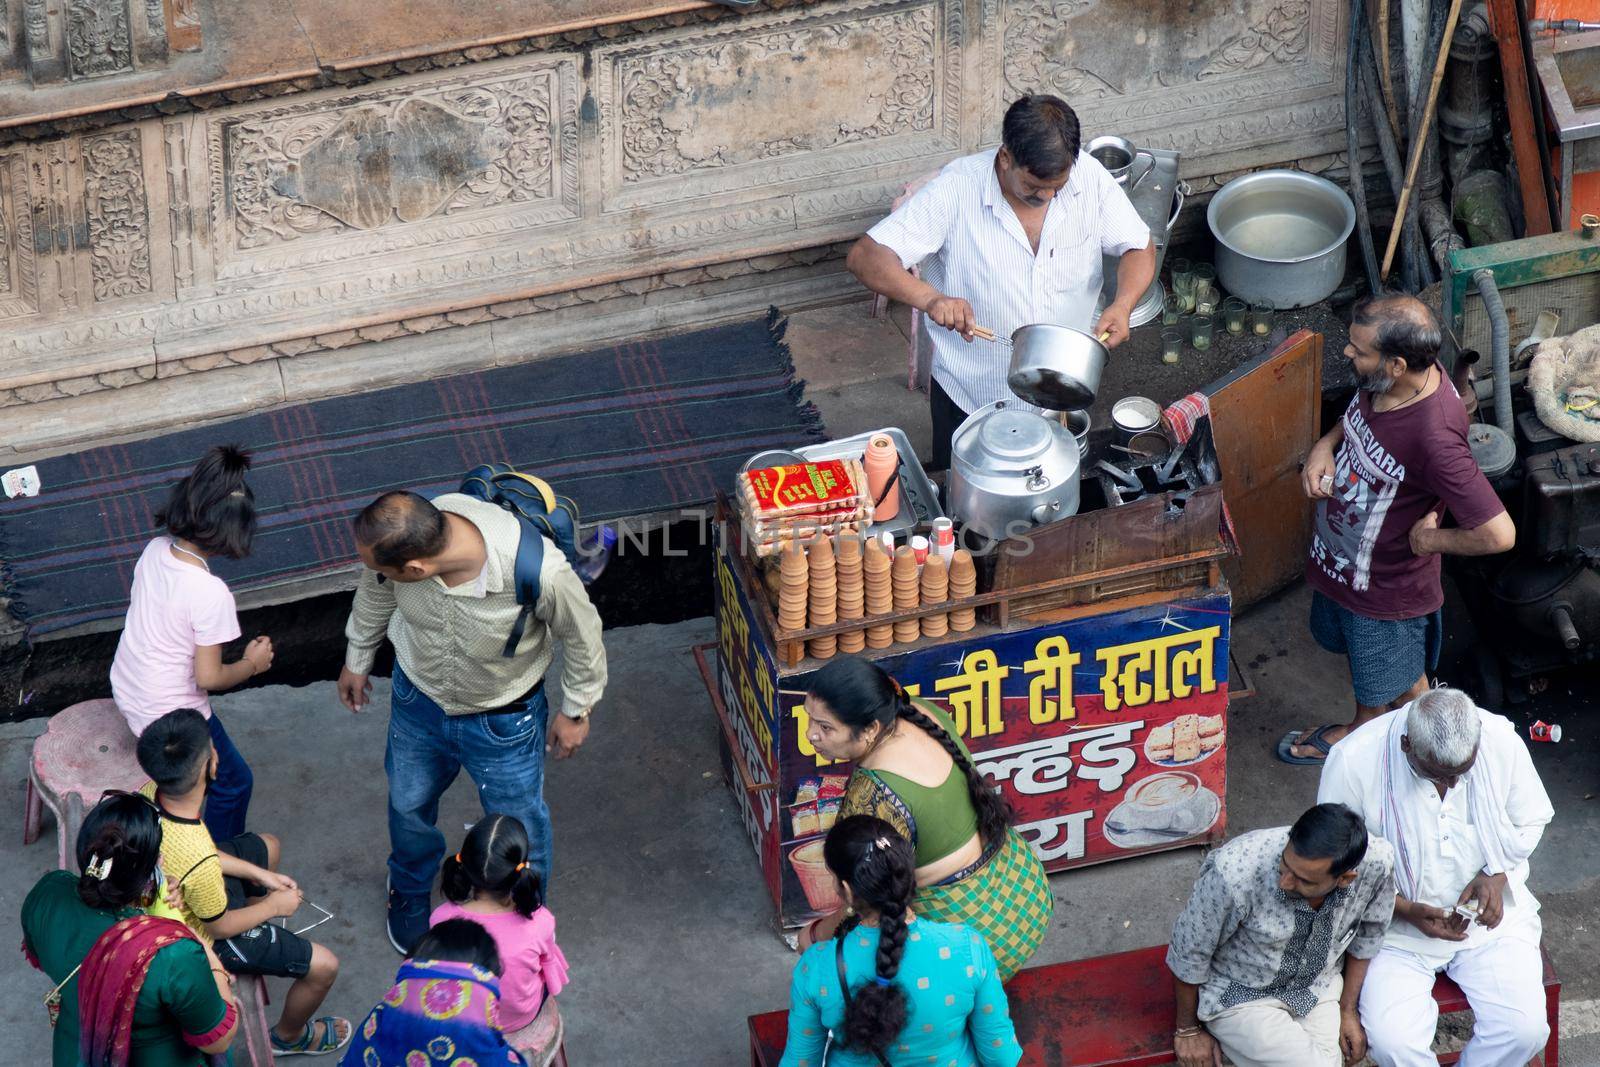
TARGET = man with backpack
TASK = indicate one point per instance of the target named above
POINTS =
(473, 636)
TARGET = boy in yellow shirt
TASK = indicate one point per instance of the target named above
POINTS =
(231, 889)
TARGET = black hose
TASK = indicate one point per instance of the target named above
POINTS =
(1389, 151)
(1358, 186)
(1438, 17)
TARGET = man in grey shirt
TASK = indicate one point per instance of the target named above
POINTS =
(1257, 952)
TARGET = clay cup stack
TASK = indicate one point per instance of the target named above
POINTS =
(824, 598)
(907, 593)
(963, 583)
(878, 586)
(935, 590)
(852, 591)
(793, 587)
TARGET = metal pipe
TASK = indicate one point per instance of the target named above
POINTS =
(1500, 332)
(1434, 218)
(1358, 185)
(1413, 40)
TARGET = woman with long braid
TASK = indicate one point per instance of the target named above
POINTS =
(892, 987)
(913, 771)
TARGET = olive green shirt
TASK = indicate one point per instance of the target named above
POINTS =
(449, 640)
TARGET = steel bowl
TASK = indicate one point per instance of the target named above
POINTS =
(1134, 415)
(1281, 237)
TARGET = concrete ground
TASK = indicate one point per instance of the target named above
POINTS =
(659, 901)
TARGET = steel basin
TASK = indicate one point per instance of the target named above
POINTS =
(1281, 237)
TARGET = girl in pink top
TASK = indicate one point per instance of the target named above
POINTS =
(180, 615)
(489, 881)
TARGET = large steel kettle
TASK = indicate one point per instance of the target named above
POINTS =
(1011, 470)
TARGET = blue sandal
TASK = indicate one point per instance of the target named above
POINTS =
(306, 1046)
(1316, 739)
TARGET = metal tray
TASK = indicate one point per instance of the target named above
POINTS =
(915, 489)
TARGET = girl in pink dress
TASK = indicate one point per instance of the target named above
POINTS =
(489, 882)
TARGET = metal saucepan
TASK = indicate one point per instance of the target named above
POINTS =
(1053, 367)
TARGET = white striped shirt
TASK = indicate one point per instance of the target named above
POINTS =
(976, 249)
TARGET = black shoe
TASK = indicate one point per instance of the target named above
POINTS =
(408, 920)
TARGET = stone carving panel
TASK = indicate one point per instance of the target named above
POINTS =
(98, 42)
(1202, 79)
(774, 96)
(116, 206)
(19, 285)
(377, 161)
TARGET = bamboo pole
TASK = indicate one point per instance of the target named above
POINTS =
(1421, 140)
(1386, 69)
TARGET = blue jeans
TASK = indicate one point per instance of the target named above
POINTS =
(227, 798)
(503, 752)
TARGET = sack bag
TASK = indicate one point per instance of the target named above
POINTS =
(542, 512)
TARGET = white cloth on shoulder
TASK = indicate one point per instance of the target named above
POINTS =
(1491, 820)
(1505, 847)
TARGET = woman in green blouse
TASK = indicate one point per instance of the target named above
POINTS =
(913, 771)
(894, 988)
(182, 1007)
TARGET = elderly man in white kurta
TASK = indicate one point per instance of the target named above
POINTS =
(1011, 237)
(1453, 789)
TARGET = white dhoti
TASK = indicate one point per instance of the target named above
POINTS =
(1504, 982)
(1264, 1033)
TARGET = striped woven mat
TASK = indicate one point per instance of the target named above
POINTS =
(642, 427)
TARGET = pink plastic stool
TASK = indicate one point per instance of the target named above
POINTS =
(542, 1042)
(255, 1037)
(86, 750)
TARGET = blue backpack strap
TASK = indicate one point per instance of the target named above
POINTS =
(530, 559)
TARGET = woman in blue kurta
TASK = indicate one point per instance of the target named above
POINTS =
(915, 991)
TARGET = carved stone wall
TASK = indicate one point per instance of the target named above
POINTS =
(77, 40)
(306, 223)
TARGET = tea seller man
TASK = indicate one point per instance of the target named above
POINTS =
(1011, 237)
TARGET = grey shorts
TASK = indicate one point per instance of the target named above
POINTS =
(1386, 656)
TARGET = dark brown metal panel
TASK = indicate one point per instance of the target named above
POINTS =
(1265, 417)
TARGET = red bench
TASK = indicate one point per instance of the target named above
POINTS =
(1110, 1010)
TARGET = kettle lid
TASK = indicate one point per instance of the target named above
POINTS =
(1011, 436)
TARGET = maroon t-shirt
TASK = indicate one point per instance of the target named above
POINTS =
(1392, 468)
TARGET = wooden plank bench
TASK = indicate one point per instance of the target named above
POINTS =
(1112, 1011)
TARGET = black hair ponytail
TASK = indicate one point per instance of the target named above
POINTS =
(994, 813)
(494, 861)
(879, 866)
(859, 693)
(118, 847)
(212, 506)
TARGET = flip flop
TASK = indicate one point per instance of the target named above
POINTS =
(1317, 739)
